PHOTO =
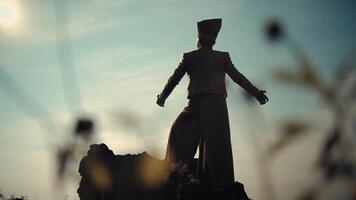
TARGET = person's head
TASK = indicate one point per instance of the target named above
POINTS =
(207, 32)
(203, 41)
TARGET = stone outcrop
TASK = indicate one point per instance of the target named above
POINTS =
(143, 177)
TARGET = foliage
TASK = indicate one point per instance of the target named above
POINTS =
(336, 157)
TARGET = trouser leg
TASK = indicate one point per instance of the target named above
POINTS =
(184, 136)
(217, 142)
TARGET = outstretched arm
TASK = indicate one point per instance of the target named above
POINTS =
(240, 79)
(172, 82)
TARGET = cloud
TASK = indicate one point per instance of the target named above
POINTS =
(120, 70)
(96, 16)
(86, 25)
(117, 58)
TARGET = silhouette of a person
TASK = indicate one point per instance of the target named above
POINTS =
(205, 120)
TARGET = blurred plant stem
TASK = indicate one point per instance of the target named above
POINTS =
(306, 70)
(337, 156)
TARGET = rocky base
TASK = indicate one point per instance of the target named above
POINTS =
(106, 176)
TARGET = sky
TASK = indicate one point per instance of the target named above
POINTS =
(123, 52)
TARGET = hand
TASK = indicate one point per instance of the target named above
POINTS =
(262, 98)
(160, 100)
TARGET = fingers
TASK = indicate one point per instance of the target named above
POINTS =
(160, 101)
(264, 98)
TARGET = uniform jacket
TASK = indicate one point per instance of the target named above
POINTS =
(206, 69)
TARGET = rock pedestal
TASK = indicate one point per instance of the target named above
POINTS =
(106, 176)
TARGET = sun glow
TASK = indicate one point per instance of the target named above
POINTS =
(9, 14)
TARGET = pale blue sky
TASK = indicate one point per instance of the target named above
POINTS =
(124, 52)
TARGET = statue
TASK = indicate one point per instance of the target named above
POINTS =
(204, 121)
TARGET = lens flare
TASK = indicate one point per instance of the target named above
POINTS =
(9, 14)
(153, 172)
